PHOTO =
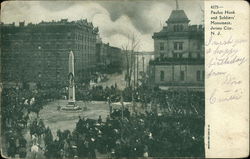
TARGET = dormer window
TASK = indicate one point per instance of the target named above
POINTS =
(178, 27)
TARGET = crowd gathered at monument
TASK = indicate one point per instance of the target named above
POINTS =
(121, 134)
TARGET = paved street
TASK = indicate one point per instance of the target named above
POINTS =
(64, 120)
(115, 78)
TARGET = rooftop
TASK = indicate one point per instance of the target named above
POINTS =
(177, 61)
(82, 22)
(177, 16)
(192, 31)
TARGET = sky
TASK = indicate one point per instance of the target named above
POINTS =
(117, 20)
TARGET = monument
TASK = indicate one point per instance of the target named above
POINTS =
(71, 96)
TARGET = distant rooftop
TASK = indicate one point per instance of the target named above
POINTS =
(83, 22)
(178, 16)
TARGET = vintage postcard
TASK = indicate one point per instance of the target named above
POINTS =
(124, 79)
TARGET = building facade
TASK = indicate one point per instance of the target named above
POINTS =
(38, 53)
(179, 54)
(102, 59)
(115, 58)
(109, 58)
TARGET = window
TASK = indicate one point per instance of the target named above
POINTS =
(178, 45)
(181, 27)
(175, 27)
(162, 75)
(161, 46)
(175, 45)
(203, 74)
(198, 75)
(178, 27)
(48, 63)
(182, 76)
(57, 74)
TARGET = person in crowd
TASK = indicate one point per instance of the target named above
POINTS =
(99, 119)
(22, 147)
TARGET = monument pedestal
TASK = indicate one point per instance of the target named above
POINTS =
(71, 106)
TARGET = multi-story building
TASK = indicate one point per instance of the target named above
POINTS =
(38, 53)
(179, 54)
(102, 59)
(109, 58)
(115, 57)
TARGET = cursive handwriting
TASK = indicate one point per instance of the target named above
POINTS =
(229, 41)
(211, 41)
(227, 61)
(228, 95)
(231, 80)
(213, 72)
(223, 53)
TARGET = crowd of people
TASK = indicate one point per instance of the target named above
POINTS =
(17, 103)
(130, 135)
(174, 127)
(185, 103)
(113, 93)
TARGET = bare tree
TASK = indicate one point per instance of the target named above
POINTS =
(202, 12)
(130, 50)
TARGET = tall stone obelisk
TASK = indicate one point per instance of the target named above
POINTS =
(71, 98)
(71, 77)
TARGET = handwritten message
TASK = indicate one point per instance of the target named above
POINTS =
(227, 79)
(224, 56)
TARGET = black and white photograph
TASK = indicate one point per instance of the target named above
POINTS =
(102, 79)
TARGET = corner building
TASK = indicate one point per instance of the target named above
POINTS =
(179, 54)
(38, 53)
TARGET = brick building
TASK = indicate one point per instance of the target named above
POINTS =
(108, 58)
(38, 53)
(179, 54)
(102, 59)
(115, 57)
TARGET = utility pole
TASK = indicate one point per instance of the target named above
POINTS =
(134, 68)
(133, 92)
(137, 64)
(143, 64)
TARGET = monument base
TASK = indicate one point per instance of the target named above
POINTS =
(71, 106)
